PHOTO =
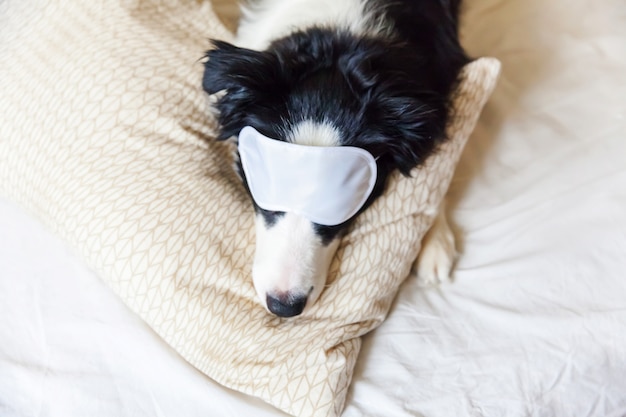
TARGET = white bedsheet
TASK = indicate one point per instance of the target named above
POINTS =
(534, 324)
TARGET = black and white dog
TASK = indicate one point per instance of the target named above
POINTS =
(370, 74)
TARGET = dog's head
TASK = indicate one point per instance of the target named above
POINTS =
(323, 88)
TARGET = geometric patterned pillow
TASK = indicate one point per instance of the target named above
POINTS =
(107, 137)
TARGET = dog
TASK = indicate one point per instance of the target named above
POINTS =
(311, 83)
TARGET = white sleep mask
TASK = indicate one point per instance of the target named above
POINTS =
(327, 185)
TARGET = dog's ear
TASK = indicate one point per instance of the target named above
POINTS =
(409, 127)
(246, 78)
(228, 67)
(406, 118)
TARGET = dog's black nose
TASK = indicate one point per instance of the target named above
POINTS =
(286, 306)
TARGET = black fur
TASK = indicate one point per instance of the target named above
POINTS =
(388, 95)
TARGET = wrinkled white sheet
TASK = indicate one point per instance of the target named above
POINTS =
(534, 324)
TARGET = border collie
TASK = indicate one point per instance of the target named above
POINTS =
(369, 74)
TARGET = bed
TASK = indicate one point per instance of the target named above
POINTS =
(533, 324)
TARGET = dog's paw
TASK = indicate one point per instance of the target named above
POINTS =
(437, 257)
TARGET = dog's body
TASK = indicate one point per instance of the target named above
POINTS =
(373, 74)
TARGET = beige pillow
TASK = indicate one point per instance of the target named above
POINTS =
(106, 137)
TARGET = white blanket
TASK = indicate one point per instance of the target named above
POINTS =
(534, 324)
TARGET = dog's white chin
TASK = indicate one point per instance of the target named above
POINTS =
(290, 259)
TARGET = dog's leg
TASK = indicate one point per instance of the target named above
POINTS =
(438, 254)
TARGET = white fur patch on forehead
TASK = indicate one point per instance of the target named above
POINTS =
(312, 133)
